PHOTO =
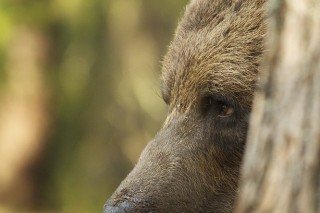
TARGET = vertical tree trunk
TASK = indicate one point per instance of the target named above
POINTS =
(23, 116)
(281, 170)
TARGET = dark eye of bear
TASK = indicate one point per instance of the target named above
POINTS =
(225, 109)
(218, 106)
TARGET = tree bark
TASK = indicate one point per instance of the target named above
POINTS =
(281, 171)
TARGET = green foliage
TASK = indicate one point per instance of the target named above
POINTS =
(102, 78)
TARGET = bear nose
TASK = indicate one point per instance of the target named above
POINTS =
(123, 207)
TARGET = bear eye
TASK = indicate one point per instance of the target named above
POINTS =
(221, 107)
(226, 110)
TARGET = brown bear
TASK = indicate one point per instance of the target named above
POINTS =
(208, 79)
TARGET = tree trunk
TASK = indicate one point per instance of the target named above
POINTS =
(23, 117)
(281, 170)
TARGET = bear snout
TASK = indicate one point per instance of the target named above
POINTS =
(122, 207)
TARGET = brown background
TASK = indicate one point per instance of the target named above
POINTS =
(79, 97)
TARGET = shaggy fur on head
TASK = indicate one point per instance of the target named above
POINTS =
(216, 49)
(192, 164)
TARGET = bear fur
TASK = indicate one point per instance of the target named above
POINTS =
(208, 80)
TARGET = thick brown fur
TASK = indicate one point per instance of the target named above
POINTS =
(193, 163)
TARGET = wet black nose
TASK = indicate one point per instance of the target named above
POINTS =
(123, 207)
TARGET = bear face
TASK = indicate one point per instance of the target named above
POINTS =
(208, 81)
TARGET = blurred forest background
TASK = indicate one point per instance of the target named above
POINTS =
(79, 97)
